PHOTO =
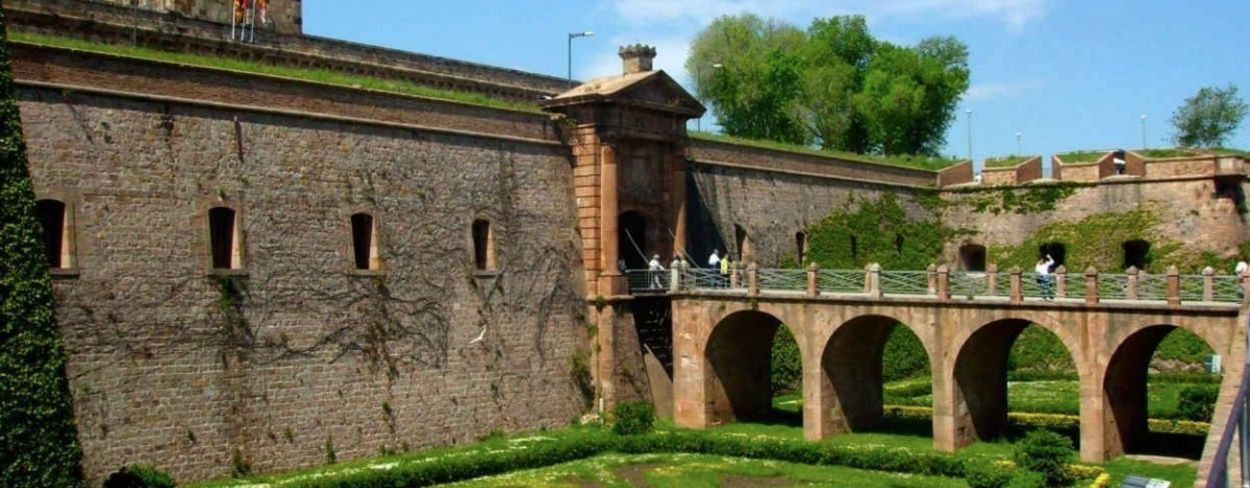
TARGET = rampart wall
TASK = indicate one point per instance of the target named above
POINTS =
(173, 364)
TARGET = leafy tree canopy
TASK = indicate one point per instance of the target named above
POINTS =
(1209, 117)
(835, 85)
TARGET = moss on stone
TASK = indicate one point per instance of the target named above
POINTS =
(1095, 241)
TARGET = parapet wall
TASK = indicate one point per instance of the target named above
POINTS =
(739, 155)
(114, 24)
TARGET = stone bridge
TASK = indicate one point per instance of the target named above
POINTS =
(723, 329)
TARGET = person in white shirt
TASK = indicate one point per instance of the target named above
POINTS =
(713, 261)
(1043, 276)
(1241, 271)
(654, 268)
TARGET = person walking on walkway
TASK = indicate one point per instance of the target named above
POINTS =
(724, 272)
(1044, 278)
(1241, 271)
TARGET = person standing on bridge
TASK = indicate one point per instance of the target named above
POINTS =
(1044, 278)
(654, 268)
(1241, 271)
(724, 272)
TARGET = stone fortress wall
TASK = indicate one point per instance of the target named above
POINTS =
(176, 364)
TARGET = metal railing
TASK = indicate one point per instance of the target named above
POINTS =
(642, 280)
(1172, 287)
(1238, 420)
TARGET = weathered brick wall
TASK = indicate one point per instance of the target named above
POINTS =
(770, 206)
(1195, 212)
(282, 15)
(163, 372)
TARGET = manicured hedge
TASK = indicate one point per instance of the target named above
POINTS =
(453, 468)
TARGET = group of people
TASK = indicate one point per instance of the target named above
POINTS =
(654, 266)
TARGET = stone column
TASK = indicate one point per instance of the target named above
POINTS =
(991, 278)
(679, 203)
(1174, 285)
(872, 280)
(1091, 285)
(1208, 284)
(1017, 291)
(753, 279)
(943, 283)
(735, 274)
(611, 283)
(813, 280)
(1130, 288)
(931, 278)
(1061, 282)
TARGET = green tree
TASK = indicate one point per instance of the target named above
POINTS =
(38, 440)
(756, 85)
(834, 86)
(1209, 117)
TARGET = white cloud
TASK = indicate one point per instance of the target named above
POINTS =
(1014, 13)
(981, 92)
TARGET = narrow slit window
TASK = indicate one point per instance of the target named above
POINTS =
(364, 241)
(483, 246)
(51, 214)
(222, 238)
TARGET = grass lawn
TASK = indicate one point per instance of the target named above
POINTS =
(1005, 161)
(1045, 396)
(696, 470)
(929, 163)
(1081, 156)
(316, 75)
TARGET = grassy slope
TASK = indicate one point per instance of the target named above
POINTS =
(913, 162)
(315, 75)
(1081, 156)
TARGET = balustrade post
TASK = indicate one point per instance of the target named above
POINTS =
(1174, 285)
(943, 283)
(735, 275)
(1130, 287)
(1061, 282)
(1017, 288)
(753, 279)
(1208, 284)
(991, 279)
(931, 278)
(813, 280)
(1091, 285)
(872, 280)
(675, 271)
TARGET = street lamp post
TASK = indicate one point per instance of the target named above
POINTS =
(570, 51)
(968, 112)
(698, 124)
(1018, 152)
(1143, 131)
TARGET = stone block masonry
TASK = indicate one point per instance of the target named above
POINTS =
(173, 365)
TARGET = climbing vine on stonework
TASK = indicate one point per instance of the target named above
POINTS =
(1096, 241)
(1009, 199)
(876, 231)
(38, 440)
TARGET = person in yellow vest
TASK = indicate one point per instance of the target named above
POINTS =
(724, 271)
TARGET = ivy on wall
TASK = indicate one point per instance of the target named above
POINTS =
(1096, 241)
(38, 440)
(1022, 200)
(875, 231)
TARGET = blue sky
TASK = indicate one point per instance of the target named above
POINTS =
(1066, 74)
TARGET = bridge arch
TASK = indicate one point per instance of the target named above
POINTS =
(1125, 391)
(850, 393)
(738, 364)
(979, 372)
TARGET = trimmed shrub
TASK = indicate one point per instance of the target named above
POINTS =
(904, 356)
(1198, 402)
(139, 477)
(787, 363)
(1029, 479)
(633, 418)
(38, 440)
(1046, 453)
(986, 475)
